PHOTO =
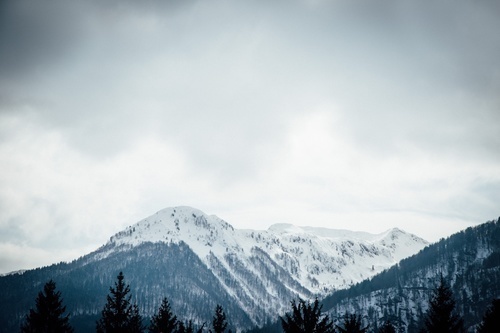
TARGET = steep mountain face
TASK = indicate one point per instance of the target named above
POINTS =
(198, 261)
(320, 260)
(469, 261)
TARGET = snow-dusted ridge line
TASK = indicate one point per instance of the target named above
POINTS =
(320, 259)
(18, 272)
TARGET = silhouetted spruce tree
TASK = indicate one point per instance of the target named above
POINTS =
(351, 323)
(387, 327)
(441, 316)
(181, 328)
(188, 328)
(135, 322)
(164, 321)
(306, 318)
(219, 322)
(119, 315)
(491, 319)
(48, 316)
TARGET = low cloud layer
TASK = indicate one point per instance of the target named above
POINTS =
(359, 116)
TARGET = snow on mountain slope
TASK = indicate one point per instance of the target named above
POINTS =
(319, 260)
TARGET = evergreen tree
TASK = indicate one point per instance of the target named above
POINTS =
(164, 321)
(441, 317)
(181, 328)
(306, 318)
(135, 324)
(188, 328)
(48, 316)
(491, 319)
(387, 327)
(119, 315)
(352, 324)
(219, 322)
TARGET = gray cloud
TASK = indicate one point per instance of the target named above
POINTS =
(318, 110)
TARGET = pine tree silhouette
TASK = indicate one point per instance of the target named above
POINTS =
(306, 318)
(188, 328)
(164, 321)
(135, 324)
(48, 316)
(119, 315)
(491, 319)
(387, 327)
(441, 316)
(352, 323)
(219, 322)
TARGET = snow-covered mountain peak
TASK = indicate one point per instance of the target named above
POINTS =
(176, 224)
(318, 260)
(402, 243)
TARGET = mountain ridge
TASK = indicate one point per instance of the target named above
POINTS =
(199, 260)
(207, 234)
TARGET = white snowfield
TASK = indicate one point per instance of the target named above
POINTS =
(319, 259)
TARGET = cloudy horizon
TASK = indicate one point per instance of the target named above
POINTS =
(361, 116)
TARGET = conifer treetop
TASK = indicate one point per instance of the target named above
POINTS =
(48, 315)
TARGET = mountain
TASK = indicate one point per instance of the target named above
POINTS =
(320, 259)
(198, 261)
(468, 260)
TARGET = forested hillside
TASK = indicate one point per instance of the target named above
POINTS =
(468, 260)
(172, 271)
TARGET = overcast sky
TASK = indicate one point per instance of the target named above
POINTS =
(361, 115)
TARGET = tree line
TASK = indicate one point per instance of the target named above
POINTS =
(441, 317)
(120, 315)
